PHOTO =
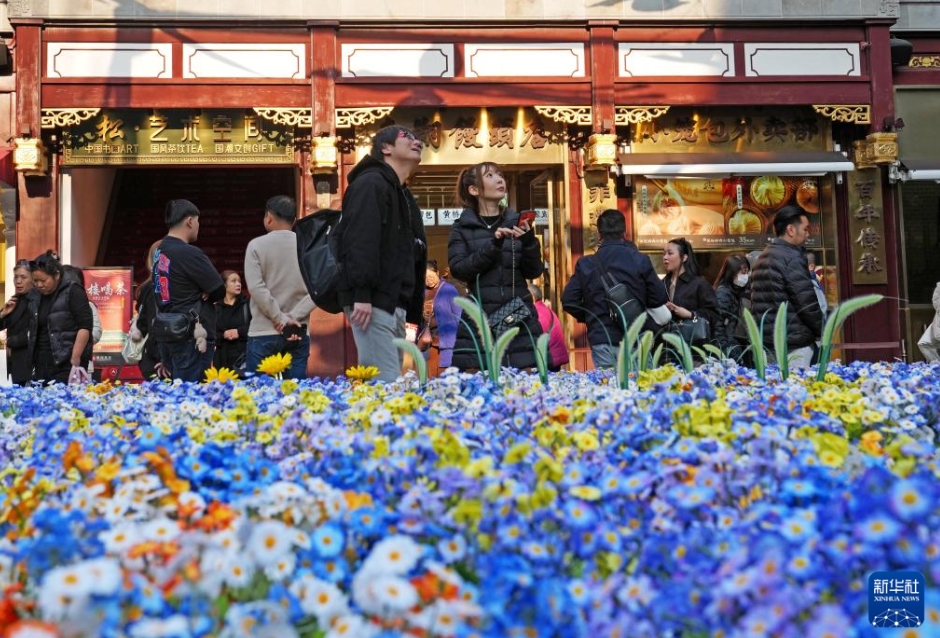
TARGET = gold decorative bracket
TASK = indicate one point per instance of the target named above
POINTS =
(567, 114)
(299, 118)
(923, 61)
(848, 113)
(63, 118)
(625, 115)
(349, 118)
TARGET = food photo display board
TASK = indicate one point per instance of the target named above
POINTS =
(715, 214)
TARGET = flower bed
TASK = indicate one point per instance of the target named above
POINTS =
(691, 505)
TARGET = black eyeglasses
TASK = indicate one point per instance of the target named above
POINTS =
(409, 135)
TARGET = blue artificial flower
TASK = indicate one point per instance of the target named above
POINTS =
(328, 540)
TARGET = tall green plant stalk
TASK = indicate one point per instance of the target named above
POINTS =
(627, 361)
(843, 312)
(492, 351)
(421, 366)
(541, 356)
(755, 338)
(682, 349)
(781, 346)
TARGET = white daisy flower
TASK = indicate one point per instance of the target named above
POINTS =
(236, 569)
(452, 549)
(443, 617)
(105, 575)
(72, 581)
(323, 600)
(162, 530)
(269, 541)
(120, 538)
(352, 626)
(175, 625)
(32, 631)
(393, 555)
(385, 595)
(282, 568)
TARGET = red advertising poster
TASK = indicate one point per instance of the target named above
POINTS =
(110, 290)
(719, 213)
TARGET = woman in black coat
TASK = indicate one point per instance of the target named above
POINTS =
(490, 251)
(733, 293)
(18, 318)
(690, 296)
(232, 320)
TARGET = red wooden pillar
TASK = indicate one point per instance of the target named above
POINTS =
(330, 352)
(37, 227)
(882, 322)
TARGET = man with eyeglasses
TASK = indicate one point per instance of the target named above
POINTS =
(382, 250)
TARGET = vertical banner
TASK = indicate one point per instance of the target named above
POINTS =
(867, 227)
(110, 290)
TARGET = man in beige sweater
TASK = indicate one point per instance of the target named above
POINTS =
(280, 304)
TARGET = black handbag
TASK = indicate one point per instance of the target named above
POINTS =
(694, 330)
(622, 305)
(512, 313)
(173, 327)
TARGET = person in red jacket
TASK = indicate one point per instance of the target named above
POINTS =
(551, 325)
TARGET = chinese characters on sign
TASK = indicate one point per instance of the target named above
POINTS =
(866, 227)
(110, 290)
(749, 130)
(896, 599)
(178, 137)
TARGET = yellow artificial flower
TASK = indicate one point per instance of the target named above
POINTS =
(275, 365)
(586, 492)
(362, 373)
(223, 375)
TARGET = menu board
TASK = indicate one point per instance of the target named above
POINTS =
(714, 214)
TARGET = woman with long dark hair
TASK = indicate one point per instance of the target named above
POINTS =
(690, 296)
(232, 320)
(63, 324)
(18, 318)
(494, 251)
(733, 293)
(149, 364)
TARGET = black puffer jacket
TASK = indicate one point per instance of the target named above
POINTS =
(486, 265)
(781, 274)
(383, 250)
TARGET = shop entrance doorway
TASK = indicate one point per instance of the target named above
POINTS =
(230, 200)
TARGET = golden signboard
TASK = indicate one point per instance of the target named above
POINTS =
(703, 130)
(207, 136)
(594, 201)
(867, 227)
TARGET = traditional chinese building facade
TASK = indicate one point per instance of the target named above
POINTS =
(917, 95)
(693, 123)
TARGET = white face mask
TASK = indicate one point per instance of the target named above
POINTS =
(741, 279)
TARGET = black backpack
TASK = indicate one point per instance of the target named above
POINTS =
(623, 306)
(317, 252)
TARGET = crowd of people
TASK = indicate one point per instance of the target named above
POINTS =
(189, 316)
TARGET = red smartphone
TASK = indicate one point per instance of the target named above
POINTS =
(526, 217)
